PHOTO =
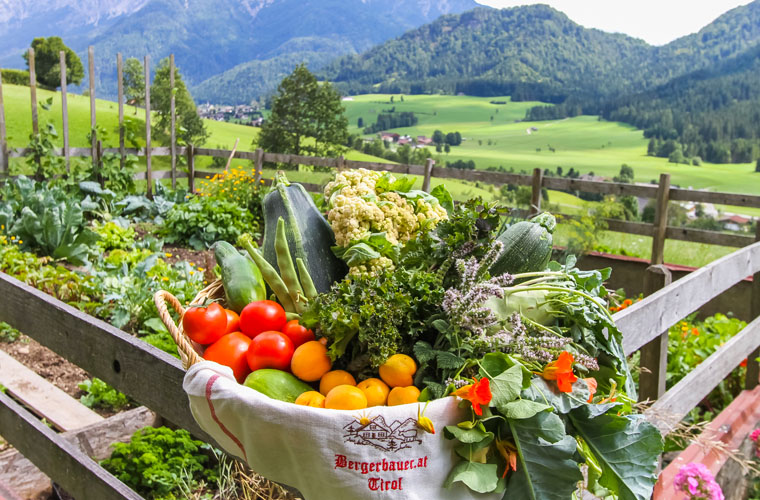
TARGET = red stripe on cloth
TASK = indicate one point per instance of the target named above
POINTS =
(229, 434)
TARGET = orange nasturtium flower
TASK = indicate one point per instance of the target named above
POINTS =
(509, 452)
(478, 394)
(561, 371)
(592, 386)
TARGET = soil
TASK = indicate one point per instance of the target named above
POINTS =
(52, 367)
(203, 259)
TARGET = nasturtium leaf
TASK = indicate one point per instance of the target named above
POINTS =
(546, 391)
(474, 435)
(469, 451)
(482, 478)
(493, 364)
(545, 470)
(522, 408)
(506, 386)
(627, 449)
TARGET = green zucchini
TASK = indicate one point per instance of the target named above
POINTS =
(277, 384)
(308, 233)
(527, 246)
(241, 277)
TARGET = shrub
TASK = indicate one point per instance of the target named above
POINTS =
(15, 76)
(101, 395)
(205, 220)
(156, 461)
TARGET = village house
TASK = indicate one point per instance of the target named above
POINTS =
(735, 222)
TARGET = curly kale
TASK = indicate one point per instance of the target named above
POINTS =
(373, 317)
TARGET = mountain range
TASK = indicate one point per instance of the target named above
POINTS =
(209, 37)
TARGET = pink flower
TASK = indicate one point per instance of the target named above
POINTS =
(755, 435)
(696, 480)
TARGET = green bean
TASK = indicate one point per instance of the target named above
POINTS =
(292, 316)
(309, 290)
(269, 274)
(287, 269)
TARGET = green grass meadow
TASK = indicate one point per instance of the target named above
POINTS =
(584, 143)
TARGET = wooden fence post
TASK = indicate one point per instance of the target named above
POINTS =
(753, 367)
(148, 171)
(64, 109)
(660, 221)
(174, 122)
(99, 162)
(93, 123)
(341, 163)
(428, 174)
(120, 78)
(654, 355)
(258, 166)
(4, 164)
(33, 92)
(191, 168)
(535, 198)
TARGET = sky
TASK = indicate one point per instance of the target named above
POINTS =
(655, 21)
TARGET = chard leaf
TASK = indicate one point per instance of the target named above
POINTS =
(546, 469)
(626, 448)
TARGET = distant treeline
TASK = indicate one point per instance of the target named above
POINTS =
(390, 120)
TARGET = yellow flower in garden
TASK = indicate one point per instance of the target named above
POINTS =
(20, 242)
(165, 278)
(168, 255)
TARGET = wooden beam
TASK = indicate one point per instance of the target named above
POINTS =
(428, 174)
(668, 411)
(708, 237)
(93, 120)
(753, 367)
(733, 199)
(146, 374)
(33, 91)
(120, 98)
(654, 355)
(94, 440)
(535, 196)
(644, 320)
(77, 473)
(225, 153)
(148, 152)
(65, 109)
(660, 221)
(173, 122)
(42, 397)
(4, 163)
(258, 165)
(191, 168)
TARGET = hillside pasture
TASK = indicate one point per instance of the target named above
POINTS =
(584, 143)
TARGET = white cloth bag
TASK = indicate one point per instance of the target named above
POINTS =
(330, 454)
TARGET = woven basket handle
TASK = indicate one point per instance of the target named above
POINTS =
(186, 351)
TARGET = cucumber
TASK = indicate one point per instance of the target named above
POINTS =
(277, 384)
(241, 277)
(309, 235)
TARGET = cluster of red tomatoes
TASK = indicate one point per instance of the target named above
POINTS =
(260, 337)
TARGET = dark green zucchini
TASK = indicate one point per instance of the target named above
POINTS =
(527, 246)
(308, 233)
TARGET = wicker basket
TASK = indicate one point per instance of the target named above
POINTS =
(189, 351)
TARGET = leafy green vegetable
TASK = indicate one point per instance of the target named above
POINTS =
(627, 449)
(100, 394)
(546, 469)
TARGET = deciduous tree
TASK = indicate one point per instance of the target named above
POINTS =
(134, 82)
(47, 62)
(190, 127)
(307, 118)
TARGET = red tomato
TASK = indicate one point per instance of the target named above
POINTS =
(230, 350)
(262, 316)
(270, 350)
(205, 325)
(233, 321)
(296, 333)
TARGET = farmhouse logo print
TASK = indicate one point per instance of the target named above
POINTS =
(394, 437)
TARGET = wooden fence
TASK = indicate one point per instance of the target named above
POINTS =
(154, 379)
